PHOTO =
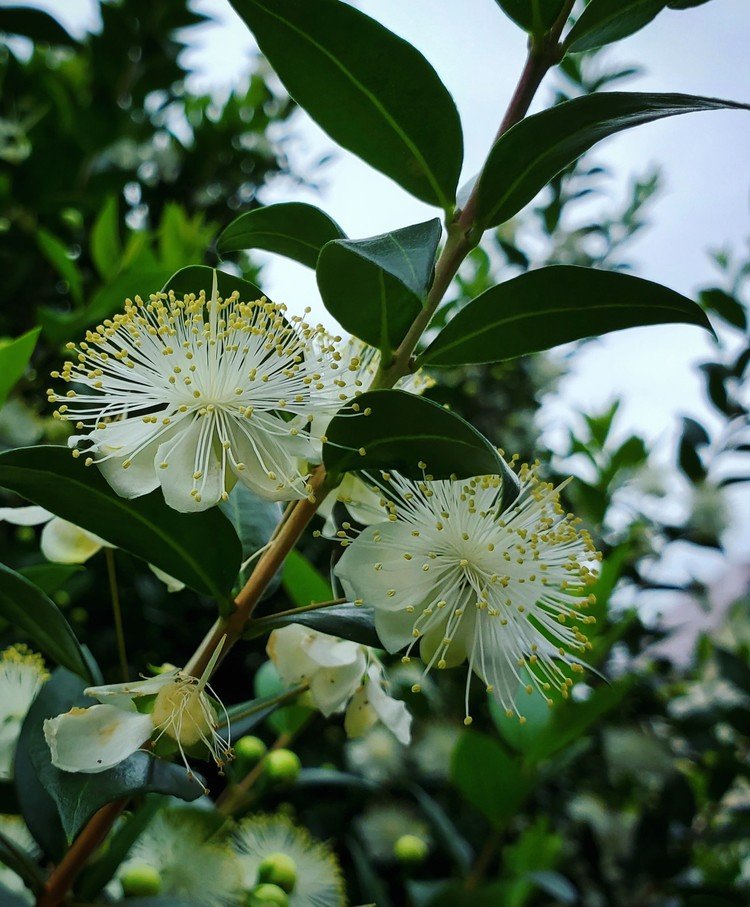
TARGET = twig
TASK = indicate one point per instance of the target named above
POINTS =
(114, 594)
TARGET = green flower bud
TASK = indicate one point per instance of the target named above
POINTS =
(140, 881)
(410, 849)
(267, 896)
(249, 750)
(278, 869)
(282, 766)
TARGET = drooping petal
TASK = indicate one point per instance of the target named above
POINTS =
(330, 688)
(172, 584)
(285, 649)
(24, 516)
(394, 628)
(117, 442)
(122, 695)
(266, 457)
(95, 739)
(391, 712)
(192, 477)
(64, 543)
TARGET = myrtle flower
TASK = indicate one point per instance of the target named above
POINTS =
(342, 675)
(194, 394)
(13, 829)
(456, 576)
(22, 675)
(188, 866)
(99, 737)
(310, 873)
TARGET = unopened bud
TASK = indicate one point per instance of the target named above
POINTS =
(278, 869)
(410, 849)
(140, 881)
(249, 750)
(282, 766)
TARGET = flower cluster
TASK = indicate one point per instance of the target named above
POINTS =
(342, 676)
(451, 573)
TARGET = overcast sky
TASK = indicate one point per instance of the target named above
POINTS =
(478, 54)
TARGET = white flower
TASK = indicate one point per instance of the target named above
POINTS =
(14, 829)
(99, 737)
(176, 845)
(22, 674)
(193, 394)
(342, 675)
(451, 573)
(318, 881)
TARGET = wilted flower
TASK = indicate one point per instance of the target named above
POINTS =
(452, 573)
(195, 394)
(315, 878)
(341, 675)
(13, 829)
(99, 737)
(176, 845)
(22, 674)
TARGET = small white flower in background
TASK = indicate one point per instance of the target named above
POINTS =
(342, 675)
(14, 829)
(194, 394)
(65, 543)
(452, 574)
(188, 865)
(315, 879)
(99, 737)
(22, 675)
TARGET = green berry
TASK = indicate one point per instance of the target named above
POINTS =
(249, 750)
(278, 869)
(140, 882)
(410, 849)
(267, 896)
(282, 766)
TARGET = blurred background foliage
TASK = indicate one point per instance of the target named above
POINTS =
(636, 794)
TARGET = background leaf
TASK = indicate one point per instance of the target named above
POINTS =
(293, 229)
(35, 24)
(549, 306)
(195, 278)
(355, 622)
(369, 89)
(28, 609)
(605, 21)
(532, 15)
(302, 582)
(14, 357)
(533, 151)
(374, 287)
(201, 549)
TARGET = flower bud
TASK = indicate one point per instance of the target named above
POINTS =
(141, 881)
(282, 766)
(266, 895)
(249, 750)
(278, 869)
(410, 849)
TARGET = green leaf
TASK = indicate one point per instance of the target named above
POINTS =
(529, 155)
(544, 308)
(532, 15)
(302, 582)
(254, 521)
(201, 549)
(56, 252)
(488, 778)
(14, 357)
(50, 577)
(725, 306)
(288, 719)
(35, 24)
(15, 858)
(355, 622)
(293, 229)
(445, 830)
(106, 248)
(26, 607)
(374, 287)
(195, 278)
(605, 21)
(397, 430)
(78, 796)
(370, 90)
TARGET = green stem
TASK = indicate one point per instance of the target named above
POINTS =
(109, 556)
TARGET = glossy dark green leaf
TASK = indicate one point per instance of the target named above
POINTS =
(725, 306)
(36, 805)
(488, 777)
(544, 308)
(370, 90)
(78, 796)
(14, 357)
(201, 549)
(293, 229)
(400, 431)
(254, 521)
(605, 21)
(530, 154)
(35, 24)
(195, 278)
(27, 608)
(532, 15)
(685, 4)
(375, 287)
(355, 622)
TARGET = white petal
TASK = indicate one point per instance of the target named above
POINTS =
(463, 637)
(285, 649)
(10, 730)
(360, 715)
(24, 516)
(190, 451)
(118, 441)
(123, 694)
(330, 651)
(172, 584)
(391, 712)
(331, 688)
(395, 629)
(95, 739)
(259, 447)
(64, 543)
